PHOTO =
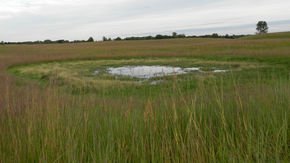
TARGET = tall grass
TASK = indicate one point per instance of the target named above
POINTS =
(221, 120)
(231, 118)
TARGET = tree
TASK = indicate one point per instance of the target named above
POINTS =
(159, 36)
(47, 41)
(262, 27)
(215, 35)
(61, 41)
(105, 38)
(118, 39)
(91, 39)
(181, 36)
(174, 34)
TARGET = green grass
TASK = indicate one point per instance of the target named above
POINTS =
(53, 109)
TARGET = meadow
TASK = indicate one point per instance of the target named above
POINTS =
(52, 109)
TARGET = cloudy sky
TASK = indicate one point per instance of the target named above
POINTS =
(22, 20)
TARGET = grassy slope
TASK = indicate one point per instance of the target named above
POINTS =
(240, 116)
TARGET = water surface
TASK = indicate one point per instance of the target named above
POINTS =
(147, 72)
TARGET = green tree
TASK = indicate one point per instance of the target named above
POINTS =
(215, 35)
(91, 39)
(174, 34)
(105, 38)
(47, 41)
(262, 27)
(118, 39)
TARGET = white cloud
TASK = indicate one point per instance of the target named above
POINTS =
(79, 19)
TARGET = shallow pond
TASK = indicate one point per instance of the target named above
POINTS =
(147, 72)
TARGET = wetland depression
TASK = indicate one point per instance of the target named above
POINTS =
(96, 73)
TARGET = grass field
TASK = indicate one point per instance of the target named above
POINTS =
(52, 109)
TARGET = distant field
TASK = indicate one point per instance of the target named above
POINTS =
(281, 35)
(53, 108)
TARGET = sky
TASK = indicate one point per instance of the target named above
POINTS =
(29, 20)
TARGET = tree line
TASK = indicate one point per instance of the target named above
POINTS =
(261, 27)
(50, 41)
(157, 37)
